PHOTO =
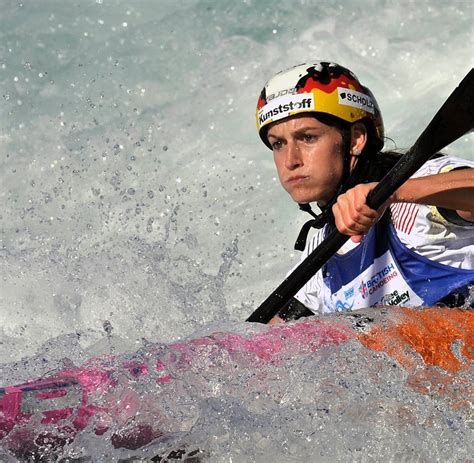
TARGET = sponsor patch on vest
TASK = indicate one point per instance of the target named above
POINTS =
(285, 106)
(355, 99)
(395, 298)
(349, 293)
(342, 306)
(378, 280)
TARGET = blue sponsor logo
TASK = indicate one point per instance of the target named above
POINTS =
(349, 293)
(343, 306)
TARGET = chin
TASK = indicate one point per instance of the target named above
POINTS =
(309, 195)
(303, 199)
(302, 196)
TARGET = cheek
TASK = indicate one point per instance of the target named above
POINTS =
(335, 167)
(281, 169)
(332, 159)
(279, 164)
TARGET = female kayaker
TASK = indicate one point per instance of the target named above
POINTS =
(326, 133)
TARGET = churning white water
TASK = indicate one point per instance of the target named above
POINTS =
(138, 205)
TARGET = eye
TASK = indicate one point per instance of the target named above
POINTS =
(308, 137)
(276, 145)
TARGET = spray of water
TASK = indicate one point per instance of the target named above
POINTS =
(138, 205)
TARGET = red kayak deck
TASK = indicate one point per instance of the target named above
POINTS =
(42, 416)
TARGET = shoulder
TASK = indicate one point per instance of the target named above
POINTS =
(312, 293)
(314, 240)
(442, 163)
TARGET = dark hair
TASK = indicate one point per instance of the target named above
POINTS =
(372, 168)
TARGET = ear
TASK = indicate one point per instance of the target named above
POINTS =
(358, 141)
(358, 138)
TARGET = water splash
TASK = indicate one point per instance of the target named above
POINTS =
(289, 393)
(136, 191)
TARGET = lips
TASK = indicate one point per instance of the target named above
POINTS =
(294, 180)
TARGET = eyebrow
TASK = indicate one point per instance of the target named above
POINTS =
(297, 131)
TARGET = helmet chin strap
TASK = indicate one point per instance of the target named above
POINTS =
(319, 220)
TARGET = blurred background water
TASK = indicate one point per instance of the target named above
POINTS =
(136, 199)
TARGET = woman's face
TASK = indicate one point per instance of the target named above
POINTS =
(308, 157)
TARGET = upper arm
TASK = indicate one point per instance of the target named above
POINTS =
(458, 217)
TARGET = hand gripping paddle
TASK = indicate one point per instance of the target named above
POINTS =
(454, 119)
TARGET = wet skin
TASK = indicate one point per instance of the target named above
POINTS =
(308, 158)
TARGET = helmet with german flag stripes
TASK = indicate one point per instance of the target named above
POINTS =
(319, 87)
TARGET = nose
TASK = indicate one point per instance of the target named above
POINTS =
(293, 158)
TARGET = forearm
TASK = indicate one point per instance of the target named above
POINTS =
(452, 190)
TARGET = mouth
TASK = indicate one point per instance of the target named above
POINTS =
(296, 179)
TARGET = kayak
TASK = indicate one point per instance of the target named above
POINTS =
(106, 395)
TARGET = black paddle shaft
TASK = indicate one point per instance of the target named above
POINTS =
(454, 119)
